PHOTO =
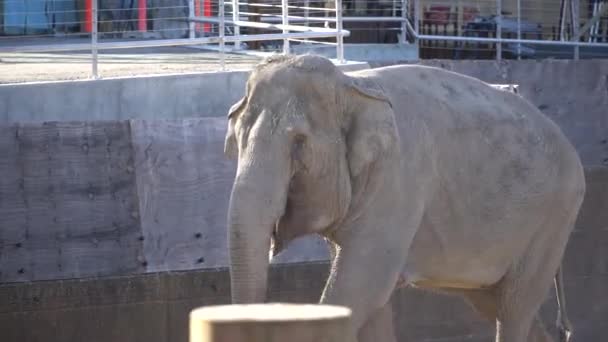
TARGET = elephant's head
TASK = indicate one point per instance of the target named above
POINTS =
(306, 137)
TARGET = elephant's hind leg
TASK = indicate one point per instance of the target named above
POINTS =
(485, 302)
(524, 288)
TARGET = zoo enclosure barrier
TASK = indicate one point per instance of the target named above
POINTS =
(439, 29)
(192, 22)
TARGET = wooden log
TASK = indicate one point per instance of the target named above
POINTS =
(272, 322)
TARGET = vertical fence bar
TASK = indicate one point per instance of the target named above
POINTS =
(417, 22)
(519, 29)
(562, 20)
(498, 29)
(235, 17)
(306, 12)
(404, 13)
(94, 16)
(222, 32)
(574, 10)
(191, 24)
(285, 14)
(339, 37)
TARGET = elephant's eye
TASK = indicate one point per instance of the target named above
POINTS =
(299, 141)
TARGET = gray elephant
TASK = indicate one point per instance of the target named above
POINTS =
(411, 173)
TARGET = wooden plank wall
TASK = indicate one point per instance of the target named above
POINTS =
(68, 203)
(110, 198)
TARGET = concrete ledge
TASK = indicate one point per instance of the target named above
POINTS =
(171, 96)
(364, 52)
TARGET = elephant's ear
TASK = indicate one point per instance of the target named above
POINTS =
(230, 143)
(371, 131)
(367, 87)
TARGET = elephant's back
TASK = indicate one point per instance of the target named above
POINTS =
(500, 168)
(483, 129)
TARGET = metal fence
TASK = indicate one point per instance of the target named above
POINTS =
(103, 25)
(512, 29)
(438, 28)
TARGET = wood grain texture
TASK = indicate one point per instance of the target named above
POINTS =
(68, 205)
(184, 183)
(270, 322)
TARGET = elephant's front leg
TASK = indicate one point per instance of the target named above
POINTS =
(364, 273)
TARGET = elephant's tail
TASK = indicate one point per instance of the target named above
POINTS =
(563, 323)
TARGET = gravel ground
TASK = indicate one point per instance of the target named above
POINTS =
(31, 67)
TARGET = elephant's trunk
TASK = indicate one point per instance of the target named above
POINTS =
(257, 202)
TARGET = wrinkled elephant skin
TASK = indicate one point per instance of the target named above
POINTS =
(416, 176)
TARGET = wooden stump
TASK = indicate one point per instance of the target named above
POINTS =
(270, 323)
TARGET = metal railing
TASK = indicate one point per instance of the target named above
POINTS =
(512, 28)
(483, 26)
(205, 28)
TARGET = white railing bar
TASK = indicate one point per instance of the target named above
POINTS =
(222, 29)
(291, 6)
(404, 13)
(501, 40)
(94, 43)
(340, 37)
(278, 17)
(510, 40)
(235, 17)
(268, 26)
(191, 24)
(167, 42)
(312, 42)
(285, 24)
(499, 29)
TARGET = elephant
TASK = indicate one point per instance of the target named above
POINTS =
(415, 176)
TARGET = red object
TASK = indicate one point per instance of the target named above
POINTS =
(88, 15)
(438, 15)
(207, 7)
(142, 15)
(206, 12)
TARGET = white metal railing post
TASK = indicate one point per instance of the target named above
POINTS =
(94, 57)
(306, 12)
(339, 37)
(222, 29)
(574, 10)
(498, 29)
(285, 14)
(191, 23)
(518, 28)
(404, 13)
(236, 17)
(416, 23)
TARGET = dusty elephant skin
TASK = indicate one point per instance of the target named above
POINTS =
(411, 173)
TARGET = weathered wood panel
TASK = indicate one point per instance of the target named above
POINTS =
(183, 182)
(68, 206)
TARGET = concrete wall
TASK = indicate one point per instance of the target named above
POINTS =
(205, 94)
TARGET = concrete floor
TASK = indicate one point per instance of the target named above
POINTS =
(56, 66)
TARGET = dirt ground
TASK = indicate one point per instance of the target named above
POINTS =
(31, 67)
